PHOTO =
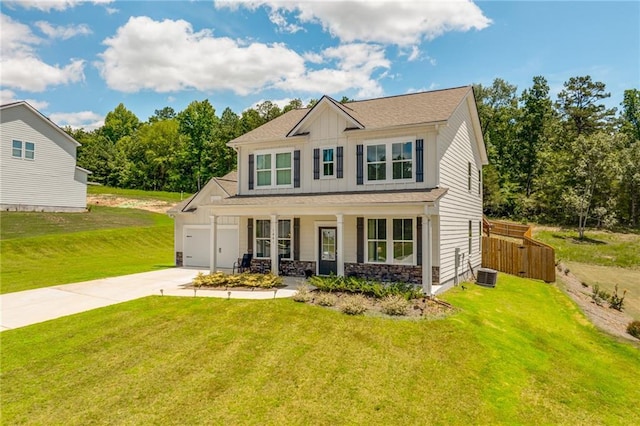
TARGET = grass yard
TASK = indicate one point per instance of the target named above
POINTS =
(603, 258)
(173, 197)
(44, 249)
(521, 353)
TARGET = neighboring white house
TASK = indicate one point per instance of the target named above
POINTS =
(387, 188)
(38, 169)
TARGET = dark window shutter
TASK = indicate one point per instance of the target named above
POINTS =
(316, 163)
(251, 171)
(419, 160)
(419, 241)
(296, 168)
(296, 238)
(250, 235)
(340, 160)
(360, 239)
(359, 165)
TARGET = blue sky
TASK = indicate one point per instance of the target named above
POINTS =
(77, 60)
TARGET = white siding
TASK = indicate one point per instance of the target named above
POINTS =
(456, 148)
(49, 182)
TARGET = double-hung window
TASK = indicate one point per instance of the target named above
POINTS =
(328, 162)
(274, 169)
(263, 238)
(390, 161)
(26, 150)
(390, 241)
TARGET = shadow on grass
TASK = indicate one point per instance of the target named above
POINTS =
(577, 240)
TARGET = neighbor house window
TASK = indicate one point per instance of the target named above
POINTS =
(479, 182)
(399, 166)
(403, 241)
(401, 157)
(263, 238)
(16, 150)
(273, 169)
(29, 150)
(328, 162)
(470, 236)
(480, 236)
(469, 178)
(284, 238)
(377, 240)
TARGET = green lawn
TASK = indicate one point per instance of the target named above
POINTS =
(521, 353)
(44, 249)
(138, 193)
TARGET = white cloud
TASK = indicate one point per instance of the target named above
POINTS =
(63, 32)
(20, 66)
(8, 96)
(398, 22)
(281, 22)
(415, 53)
(49, 5)
(167, 56)
(112, 10)
(87, 120)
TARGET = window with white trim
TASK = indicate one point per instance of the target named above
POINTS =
(469, 178)
(274, 169)
(29, 150)
(403, 241)
(391, 241)
(284, 238)
(328, 162)
(479, 182)
(377, 240)
(16, 149)
(381, 167)
(480, 236)
(263, 238)
(470, 236)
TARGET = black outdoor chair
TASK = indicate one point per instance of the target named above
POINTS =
(244, 264)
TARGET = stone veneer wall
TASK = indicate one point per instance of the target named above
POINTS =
(288, 268)
(179, 258)
(390, 273)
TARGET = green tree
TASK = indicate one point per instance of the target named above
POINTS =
(119, 123)
(293, 104)
(165, 113)
(579, 103)
(631, 114)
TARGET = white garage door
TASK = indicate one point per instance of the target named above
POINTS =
(197, 247)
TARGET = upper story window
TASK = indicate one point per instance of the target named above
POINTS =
(469, 177)
(389, 161)
(26, 150)
(274, 169)
(328, 162)
(479, 182)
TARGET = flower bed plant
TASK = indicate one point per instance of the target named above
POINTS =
(366, 287)
(222, 280)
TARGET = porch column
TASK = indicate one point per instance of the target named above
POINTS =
(340, 244)
(214, 243)
(274, 244)
(427, 243)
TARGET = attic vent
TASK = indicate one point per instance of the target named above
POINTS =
(487, 277)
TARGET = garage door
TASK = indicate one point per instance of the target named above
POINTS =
(197, 247)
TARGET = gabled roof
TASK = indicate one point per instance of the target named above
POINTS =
(42, 117)
(227, 183)
(394, 111)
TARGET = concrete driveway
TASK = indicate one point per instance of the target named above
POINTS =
(33, 306)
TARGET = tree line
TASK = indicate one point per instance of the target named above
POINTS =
(570, 160)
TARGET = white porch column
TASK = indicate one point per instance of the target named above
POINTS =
(214, 243)
(427, 245)
(274, 244)
(340, 244)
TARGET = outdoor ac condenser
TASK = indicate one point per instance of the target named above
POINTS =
(487, 277)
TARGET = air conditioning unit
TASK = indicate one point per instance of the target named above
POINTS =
(487, 277)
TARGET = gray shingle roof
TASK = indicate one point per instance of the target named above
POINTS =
(415, 108)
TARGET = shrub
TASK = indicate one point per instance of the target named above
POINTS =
(326, 299)
(354, 305)
(599, 296)
(303, 294)
(633, 328)
(364, 286)
(220, 279)
(616, 301)
(394, 305)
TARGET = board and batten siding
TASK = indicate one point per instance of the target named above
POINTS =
(456, 148)
(49, 182)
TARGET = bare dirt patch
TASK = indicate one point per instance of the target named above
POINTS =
(607, 319)
(155, 206)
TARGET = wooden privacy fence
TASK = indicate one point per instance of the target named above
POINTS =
(528, 259)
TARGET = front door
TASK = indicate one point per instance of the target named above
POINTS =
(327, 262)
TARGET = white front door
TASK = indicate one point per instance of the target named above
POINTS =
(227, 246)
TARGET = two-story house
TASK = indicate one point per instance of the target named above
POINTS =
(38, 170)
(387, 188)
